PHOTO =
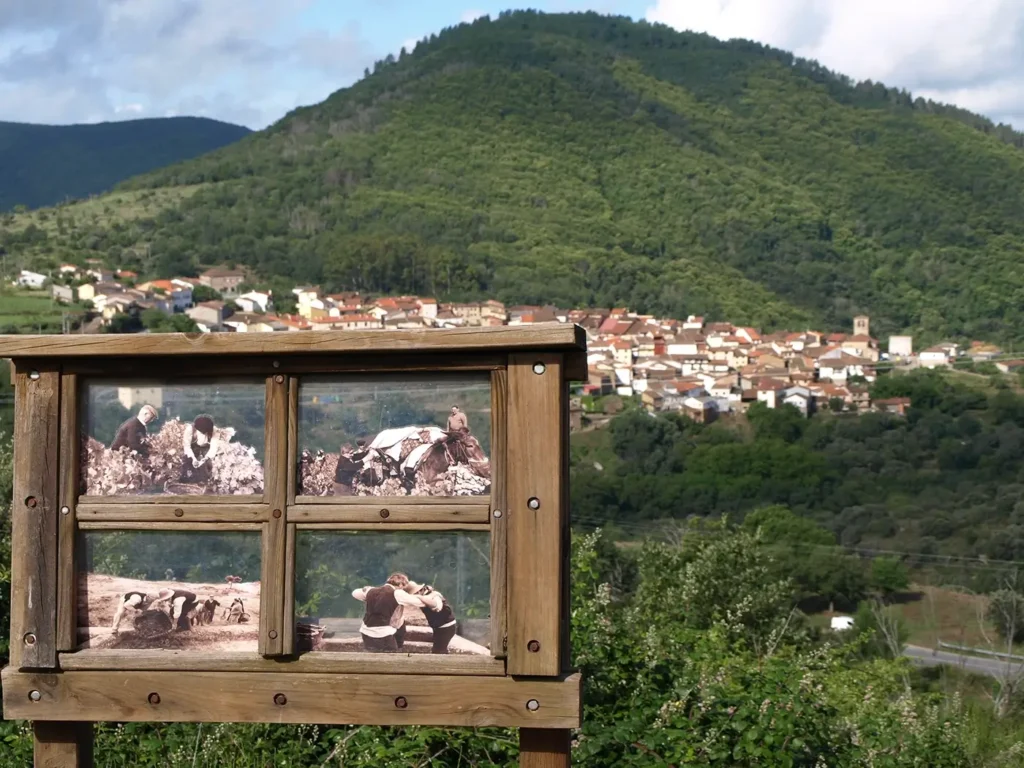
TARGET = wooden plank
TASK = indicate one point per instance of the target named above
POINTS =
(499, 518)
(90, 525)
(576, 368)
(382, 513)
(566, 528)
(168, 500)
(440, 700)
(183, 514)
(288, 644)
(164, 366)
(273, 571)
(536, 336)
(62, 745)
(34, 512)
(396, 501)
(67, 618)
(534, 465)
(383, 527)
(293, 439)
(317, 662)
(544, 747)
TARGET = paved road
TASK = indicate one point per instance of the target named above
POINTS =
(976, 664)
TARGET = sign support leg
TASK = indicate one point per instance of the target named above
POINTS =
(62, 745)
(544, 747)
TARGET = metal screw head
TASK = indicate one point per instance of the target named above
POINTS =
(30, 639)
(31, 502)
(179, 512)
(280, 699)
(385, 514)
(539, 368)
(154, 698)
(65, 510)
(401, 702)
(533, 705)
(35, 695)
(533, 503)
(279, 379)
(277, 513)
(34, 375)
(272, 634)
(497, 513)
(533, 646)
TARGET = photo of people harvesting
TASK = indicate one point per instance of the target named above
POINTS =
(186, 439)
(389, 436)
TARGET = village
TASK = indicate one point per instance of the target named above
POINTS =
(701, 369)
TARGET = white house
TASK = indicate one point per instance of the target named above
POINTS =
(838, 366)
(800, 398)
(937, 356)
(28, 279)
(842, 623)
(255, 301)
(901, 346)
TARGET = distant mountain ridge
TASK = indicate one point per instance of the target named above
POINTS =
(588, 160)
(46, 164)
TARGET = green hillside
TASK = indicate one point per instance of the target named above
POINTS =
(582, 159)
(45, 164)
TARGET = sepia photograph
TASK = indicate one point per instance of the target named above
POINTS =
(413, 592)
(199, 438)
(410, 435)
(175, 591)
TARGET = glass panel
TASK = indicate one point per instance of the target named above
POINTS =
(180, 591)
(195, 438)
(420, 435)
(437, 601)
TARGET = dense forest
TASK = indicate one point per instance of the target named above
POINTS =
(581, 159)
(47, 164)
(947, 479)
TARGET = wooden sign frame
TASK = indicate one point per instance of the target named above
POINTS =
(525, 682)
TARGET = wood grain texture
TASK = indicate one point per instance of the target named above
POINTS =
(383, 527)
(34, 512)
(538, 336)
(317, 662)
(94, 525)
(446, 700)
(534, 464)
(194, 512)
(168, 500)
(274, 544)
(380, 506)
(499, 529)
(396, 501)
(288, 644)
(67, 491)
(544, 747)
(62, 745)
(293, 440)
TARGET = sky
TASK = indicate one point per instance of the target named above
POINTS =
(251, 61)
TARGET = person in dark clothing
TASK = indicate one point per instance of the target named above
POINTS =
(133, 435)
(439, 614)
(383, 627)
(180, 604)
(200, 448)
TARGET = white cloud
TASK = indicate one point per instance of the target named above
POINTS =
(970, 54)
(469, 17)
(128, 109)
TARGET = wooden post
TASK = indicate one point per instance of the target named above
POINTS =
(62, 745)
(544, 747)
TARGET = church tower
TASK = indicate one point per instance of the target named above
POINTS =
(862, 325)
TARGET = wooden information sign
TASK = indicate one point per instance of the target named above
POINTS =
(316, 527)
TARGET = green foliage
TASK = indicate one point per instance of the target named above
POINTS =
(47, 164)
(201, 293)
(589, 160)
(889, 575)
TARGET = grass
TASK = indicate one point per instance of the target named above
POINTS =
(24, 311)
(103, 210)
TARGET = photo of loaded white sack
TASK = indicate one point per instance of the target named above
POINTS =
(199, 438)
(409, 435)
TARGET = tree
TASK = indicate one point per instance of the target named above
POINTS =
(1006, 612)
(201, 293)
(889, 576)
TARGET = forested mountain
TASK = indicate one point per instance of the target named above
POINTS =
(45, 164)
(589, 160)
